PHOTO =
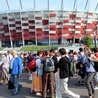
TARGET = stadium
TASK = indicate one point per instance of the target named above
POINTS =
(48, 26)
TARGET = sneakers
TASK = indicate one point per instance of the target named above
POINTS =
(78, 84)
(96, 87)
(82, 83)
(77, 96)
(38, 94)
(19, 87)
(13, 94)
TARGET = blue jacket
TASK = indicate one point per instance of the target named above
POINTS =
(17, 66)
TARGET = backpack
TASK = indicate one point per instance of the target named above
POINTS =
(32, 65)
(49, 65)
(80, 61)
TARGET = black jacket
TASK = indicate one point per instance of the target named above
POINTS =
(63, 65)
(55, 62)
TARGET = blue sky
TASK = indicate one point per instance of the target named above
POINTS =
(42, 5)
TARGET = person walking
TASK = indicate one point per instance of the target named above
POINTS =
(16, 71)
(4, 63)
(63, 66)
(89, 64)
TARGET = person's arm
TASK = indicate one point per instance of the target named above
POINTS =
(38, 63)
(1, 62)
(93, 58)
(19, 66)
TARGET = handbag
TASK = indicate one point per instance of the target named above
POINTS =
(10, 85)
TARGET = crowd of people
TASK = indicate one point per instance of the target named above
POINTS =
(52, 79)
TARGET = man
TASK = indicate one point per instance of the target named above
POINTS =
(63, 65)
(16, 70)
(80, 67)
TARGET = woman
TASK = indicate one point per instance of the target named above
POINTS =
(48, 77)
(75, 57)
(37, 75)
(89, 64)
(5, 69)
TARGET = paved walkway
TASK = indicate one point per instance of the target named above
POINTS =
(25, 91)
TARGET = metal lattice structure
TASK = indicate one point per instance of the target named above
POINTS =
(47, 26)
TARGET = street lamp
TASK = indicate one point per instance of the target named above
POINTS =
(95, 38)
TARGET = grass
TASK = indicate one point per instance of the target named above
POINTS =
(35, 48)
(1, 48)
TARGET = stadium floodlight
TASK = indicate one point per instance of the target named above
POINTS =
(86, 4)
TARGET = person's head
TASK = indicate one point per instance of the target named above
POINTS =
(95, 50)
(52, 52)
(75, 53)
(14, 53)
(62, 51)
(87, 52)
(46, 53)
(3, 56)
(81, 49)
(9, 52)
(40, 53)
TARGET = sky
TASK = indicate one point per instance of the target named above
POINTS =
(53, 5)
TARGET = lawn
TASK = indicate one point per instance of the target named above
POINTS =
(35, 48)
(1, 48)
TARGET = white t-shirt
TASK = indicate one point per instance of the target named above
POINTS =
(75, 58)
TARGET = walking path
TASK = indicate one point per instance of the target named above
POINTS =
(25, 91)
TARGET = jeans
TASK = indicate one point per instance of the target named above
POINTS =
(48, 77)
(89, 83)
(15, 80)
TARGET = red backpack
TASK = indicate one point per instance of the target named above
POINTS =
(32, 65)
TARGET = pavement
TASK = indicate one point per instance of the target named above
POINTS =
(25, 91)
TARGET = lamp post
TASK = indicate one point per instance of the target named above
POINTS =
(95, 38)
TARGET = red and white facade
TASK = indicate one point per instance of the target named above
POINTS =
(46, 26)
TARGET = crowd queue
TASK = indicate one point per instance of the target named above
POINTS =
(55, 82)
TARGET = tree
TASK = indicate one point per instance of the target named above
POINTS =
(87, 40)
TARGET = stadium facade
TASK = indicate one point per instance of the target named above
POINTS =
(46, 27)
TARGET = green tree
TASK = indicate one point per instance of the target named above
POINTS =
(87, 40)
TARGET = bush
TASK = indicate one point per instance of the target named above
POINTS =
(87, 40)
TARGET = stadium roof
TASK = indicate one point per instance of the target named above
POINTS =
(69, 5)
